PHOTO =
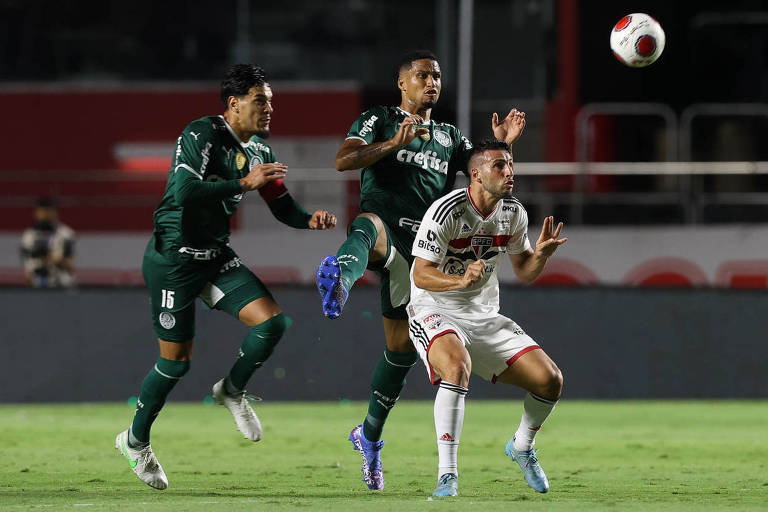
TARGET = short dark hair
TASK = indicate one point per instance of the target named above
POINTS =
(488, 144)
(407, 59)
(239, 80)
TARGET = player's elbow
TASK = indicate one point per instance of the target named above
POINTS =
(342, 163)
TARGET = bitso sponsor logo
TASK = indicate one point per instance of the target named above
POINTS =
(167, 320)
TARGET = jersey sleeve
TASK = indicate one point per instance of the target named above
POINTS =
(274, 189)
(194, 149)
(519, 242)
(462, 148)
(432, 239)
(367, 126)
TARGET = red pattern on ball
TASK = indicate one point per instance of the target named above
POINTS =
(622, 23)
(645, 45)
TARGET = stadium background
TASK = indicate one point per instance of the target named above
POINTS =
(659, 175)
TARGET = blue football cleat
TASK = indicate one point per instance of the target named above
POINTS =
(332, 291)
(373, 475)
(528, 462)
(447, 485)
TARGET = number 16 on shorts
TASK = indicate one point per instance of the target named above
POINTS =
(167, 299)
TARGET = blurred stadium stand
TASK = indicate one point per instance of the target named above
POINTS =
(663, 168)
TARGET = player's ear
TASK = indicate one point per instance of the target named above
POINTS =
(232, 104)
(401, 81)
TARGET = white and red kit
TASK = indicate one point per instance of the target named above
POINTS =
(453, 234)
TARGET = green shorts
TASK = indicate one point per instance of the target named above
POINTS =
(395, 269)
(174, 280)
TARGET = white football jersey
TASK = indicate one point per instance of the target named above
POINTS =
(455, 234)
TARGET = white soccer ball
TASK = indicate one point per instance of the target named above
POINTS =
(637, 40)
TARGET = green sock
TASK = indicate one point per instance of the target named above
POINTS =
(256, 348)
(353, 253)
(154, 390)
(387, 382)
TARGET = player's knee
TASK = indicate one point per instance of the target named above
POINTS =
(457, 370)
(172, 369)
(553, 384)
(272, 330)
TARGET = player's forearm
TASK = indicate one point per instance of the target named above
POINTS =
(530, 268)
(434, 280)
(193, 189)
(289, 212)
(363, 155)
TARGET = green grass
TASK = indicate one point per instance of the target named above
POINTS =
(628, 455)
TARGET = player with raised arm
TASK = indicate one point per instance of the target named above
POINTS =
(454, 317)
(217, 160)
(406, 161)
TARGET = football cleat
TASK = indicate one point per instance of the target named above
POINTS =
(447, 485)
(143, 462)
(528, 462)
(246, 420)
(371, 454)
(330, 286)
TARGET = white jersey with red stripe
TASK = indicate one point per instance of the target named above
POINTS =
(454, 234)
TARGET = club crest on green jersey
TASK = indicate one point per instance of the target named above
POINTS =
(443, 138)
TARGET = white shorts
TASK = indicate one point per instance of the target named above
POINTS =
(493, 343)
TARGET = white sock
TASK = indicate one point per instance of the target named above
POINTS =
(535, 410)
(449, 419)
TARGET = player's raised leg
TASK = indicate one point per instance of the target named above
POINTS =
(267, 324)
(366, 240)
(451, 362)
(535, 372)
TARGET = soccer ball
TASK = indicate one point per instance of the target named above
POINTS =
(637, 40)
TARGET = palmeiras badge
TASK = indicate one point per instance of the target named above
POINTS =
(443, 138)
(167, 320)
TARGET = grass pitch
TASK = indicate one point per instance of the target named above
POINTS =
(629, 455)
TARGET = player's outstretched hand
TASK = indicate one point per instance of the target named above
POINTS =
(548, 241)
(406, 133)
(322, 219)
(510, 128)
(475, 272)
(262, 174)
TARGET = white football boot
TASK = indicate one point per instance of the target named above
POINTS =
(143, 462)
(247, 421)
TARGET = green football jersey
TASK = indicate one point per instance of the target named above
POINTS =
(203, 191)
(403, 184)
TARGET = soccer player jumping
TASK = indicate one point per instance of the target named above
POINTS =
(217, 160)
(454, 317)
(407, 160)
